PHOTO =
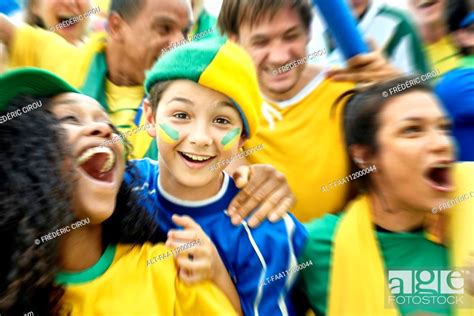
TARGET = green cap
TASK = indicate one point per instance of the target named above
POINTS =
(31, 81)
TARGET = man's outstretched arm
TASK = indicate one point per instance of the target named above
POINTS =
(7, 28)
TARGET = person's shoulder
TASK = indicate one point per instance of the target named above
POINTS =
(283, 233)
(46, 37)
(457, 73)
(323, 229)
(145, 165)
(319, 83)
(147, 255)
(143, 170)
(454, 84)
(319, 244)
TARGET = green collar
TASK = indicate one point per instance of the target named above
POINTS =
(90, 274)
(94, 83)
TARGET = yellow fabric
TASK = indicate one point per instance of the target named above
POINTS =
(243, 89)
(123, 103)
(39, 48)
(356, 288)
(43, 49)
(461, 221)
(104, 6)
(307, 146)
(355, 243)
(443, 55)
(131, 287)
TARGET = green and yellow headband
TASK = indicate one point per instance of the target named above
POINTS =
(217, 64)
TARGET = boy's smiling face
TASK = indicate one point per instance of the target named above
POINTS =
(195, 127)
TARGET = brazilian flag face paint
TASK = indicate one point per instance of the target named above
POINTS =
(168, 134)
(231, 138)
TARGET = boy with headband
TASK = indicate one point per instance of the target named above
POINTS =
(204, 102)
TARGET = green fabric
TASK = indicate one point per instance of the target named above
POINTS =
(152, 151)
(188, 61)
(204, 23)
(30, 81)
(405, 28)
(94, 84)
(399, 250)
(467, 61)
(90, 274)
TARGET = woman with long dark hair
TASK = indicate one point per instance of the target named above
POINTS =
(399, 247)
(73, 239)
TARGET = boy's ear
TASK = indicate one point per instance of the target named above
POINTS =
(242, 141)
(150, 118)
(233, 37)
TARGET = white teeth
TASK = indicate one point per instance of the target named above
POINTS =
(109, 163)
(441, 165)
(197, 158)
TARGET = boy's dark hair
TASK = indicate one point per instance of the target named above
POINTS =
(156, 93)
(36, 190)
(127, 9)
(236, 12)
(361, 115)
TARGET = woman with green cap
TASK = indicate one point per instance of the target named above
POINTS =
(75, 240)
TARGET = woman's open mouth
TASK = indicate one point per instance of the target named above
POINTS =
(439, 177)
(98, 163)
(426, 3)
(67, 21)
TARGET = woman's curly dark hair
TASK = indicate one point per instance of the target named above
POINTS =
(35, 199)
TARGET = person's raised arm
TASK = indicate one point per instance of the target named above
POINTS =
(7, 28)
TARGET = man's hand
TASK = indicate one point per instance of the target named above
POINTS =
(365, 68)
(262, 187)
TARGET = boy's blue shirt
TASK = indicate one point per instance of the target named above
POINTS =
(250, 255)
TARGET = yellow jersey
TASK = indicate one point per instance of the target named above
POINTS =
(443, 55)
(123, 282)
(303, 139)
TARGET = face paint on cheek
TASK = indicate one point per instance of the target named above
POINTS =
(168, 134)
(231, 138)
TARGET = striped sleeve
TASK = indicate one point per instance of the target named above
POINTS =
(267, 265)
(404, 47)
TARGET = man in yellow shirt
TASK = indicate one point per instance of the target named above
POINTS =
(111, 66)
(300, 133)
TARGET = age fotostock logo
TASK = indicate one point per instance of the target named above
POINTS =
(426, 287)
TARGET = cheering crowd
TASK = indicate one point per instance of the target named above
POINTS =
(201, 90)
